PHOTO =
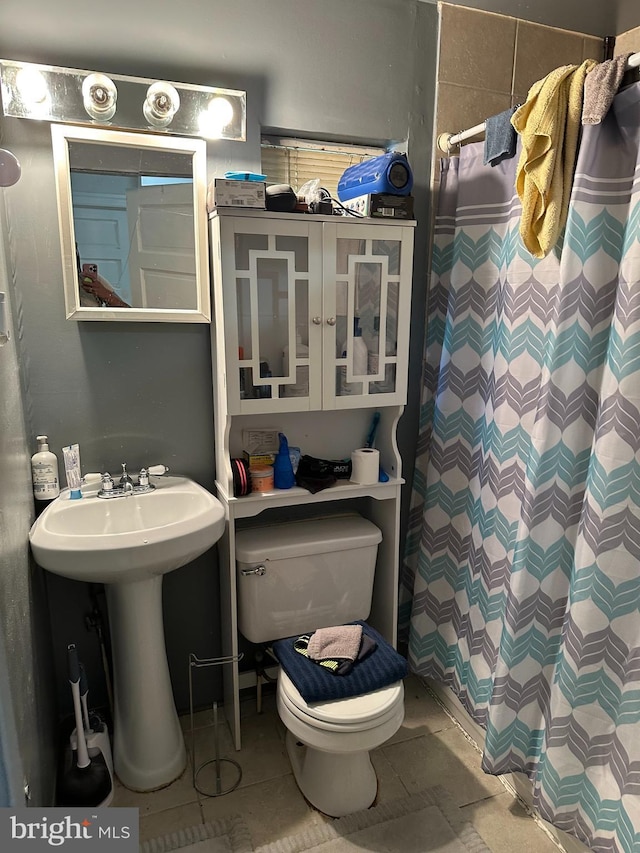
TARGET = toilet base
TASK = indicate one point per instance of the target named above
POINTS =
(337, 784)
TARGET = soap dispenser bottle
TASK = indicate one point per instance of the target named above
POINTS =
(44, 471)
(283, 476)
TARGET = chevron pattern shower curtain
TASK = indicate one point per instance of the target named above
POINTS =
(521, 582)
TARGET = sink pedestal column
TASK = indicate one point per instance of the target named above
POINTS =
(149, 749)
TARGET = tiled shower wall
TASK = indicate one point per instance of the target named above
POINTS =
(488, 63)
(628, 42)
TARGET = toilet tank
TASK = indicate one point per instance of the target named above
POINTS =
(317, 573)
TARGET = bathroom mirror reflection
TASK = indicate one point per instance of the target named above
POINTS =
(132, 217)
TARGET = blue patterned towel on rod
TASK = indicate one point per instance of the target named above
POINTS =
(382, 667)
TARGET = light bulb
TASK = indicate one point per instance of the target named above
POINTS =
(32, 86)
(161, 104)
(99, 96)
(216, 117)
(221, 110)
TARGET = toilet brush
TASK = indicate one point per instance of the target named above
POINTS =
(84, 690)
(96, 732)
(87, 782)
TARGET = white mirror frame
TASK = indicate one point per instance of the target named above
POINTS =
(61, 135)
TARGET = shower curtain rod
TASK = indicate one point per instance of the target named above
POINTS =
(447, 141)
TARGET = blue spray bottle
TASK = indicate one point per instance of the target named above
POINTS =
(283, 476)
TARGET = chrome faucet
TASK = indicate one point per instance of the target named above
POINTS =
(125, 485)
(125, 482)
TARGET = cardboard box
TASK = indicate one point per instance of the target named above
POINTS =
(227, 193)
(382, 205)
(255, 460)
(260, 441)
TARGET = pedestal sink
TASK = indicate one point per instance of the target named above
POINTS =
(129, 543)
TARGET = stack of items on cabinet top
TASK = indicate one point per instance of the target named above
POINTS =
(260, 448)
(377, 187)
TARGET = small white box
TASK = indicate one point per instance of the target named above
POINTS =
(227, 193)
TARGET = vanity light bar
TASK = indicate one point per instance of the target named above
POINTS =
(74, 96)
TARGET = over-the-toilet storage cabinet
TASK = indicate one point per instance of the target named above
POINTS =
(287, 289)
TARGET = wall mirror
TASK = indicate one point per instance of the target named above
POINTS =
(133, 225)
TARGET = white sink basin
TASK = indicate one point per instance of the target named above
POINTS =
(127, 538)
(130, 543)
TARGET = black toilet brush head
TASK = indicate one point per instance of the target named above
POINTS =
(83, 787)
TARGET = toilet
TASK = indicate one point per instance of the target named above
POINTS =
(293, 578)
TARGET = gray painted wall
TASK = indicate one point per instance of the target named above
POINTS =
(628, 15)
(24, 619)
(309, 59)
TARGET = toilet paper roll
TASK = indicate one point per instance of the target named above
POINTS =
(365, 466)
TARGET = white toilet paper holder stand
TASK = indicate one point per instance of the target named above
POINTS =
(194, 663)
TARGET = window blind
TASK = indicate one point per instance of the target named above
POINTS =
(296, 161)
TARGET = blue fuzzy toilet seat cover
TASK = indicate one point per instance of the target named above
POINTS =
(315, 683)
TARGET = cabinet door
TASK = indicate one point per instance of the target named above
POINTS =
(367, 289)
(271, 279)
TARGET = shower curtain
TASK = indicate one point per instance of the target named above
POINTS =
(521, 579)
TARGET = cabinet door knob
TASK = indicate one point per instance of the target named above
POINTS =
(331, 321)
(316, 321)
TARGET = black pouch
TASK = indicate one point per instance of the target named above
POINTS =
(310, 467)
(315, 484)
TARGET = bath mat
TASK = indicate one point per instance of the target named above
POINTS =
(428, 822)
(229, 835)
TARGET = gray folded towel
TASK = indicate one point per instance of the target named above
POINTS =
(337, 666)
(600, 88)
(341, 641)
(499, 138)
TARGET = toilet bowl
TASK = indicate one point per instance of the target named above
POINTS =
(328, 743)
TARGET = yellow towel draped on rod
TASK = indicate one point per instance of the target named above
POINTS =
(549, 125)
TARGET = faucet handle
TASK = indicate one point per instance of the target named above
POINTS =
(107, 482)
(143, 477)
(92, 477)
(157, 470)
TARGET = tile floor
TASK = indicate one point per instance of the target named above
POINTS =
(429, 749)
